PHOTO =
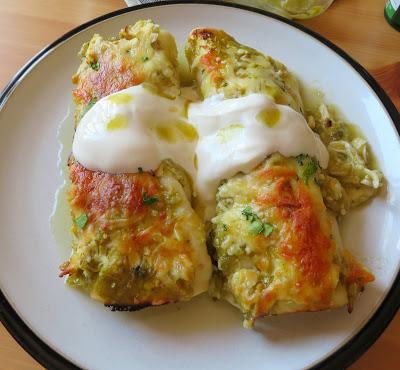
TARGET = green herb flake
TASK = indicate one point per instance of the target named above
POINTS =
(301, 158)
(256, 227)
(224, 227)
(81, 220)
(247, 212)
(149, 200)
(268, 228)
(145, 59)
(310, 166)
(95, 65)
(309, 171)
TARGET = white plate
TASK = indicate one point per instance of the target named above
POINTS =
(61, 327)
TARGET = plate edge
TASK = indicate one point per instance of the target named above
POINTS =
(343, 356)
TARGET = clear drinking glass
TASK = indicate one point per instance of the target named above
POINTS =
(296, 9)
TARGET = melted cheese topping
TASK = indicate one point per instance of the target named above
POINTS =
(296, 265)
(130, 252)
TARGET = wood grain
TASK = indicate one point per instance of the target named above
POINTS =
(360, 29)
(389, 78)
(357, 26)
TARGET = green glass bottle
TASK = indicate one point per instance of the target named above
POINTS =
(392, 13)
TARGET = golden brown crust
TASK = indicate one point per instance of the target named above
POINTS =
(142, 53)
(296, 266)
(305, 243)
(140, 242)
(220, 64)
(98, 193)
(114, 74)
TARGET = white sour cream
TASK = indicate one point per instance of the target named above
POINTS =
(235, 135)
(135, 128)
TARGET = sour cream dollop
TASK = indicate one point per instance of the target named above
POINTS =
(132, 129)
(212, 140)
(235, 135)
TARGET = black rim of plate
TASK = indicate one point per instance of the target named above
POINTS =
(343, 356)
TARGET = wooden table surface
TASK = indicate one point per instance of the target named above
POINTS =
(357, 26)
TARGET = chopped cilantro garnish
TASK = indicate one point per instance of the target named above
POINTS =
(247, 212)
(140, 169)
(81, 220)
(301, 158)
(95, 65)
(310, 166)
(145, 59)
(225, 227)
(268, 228)
(309, 171)
(149, 200)
(256, 227)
